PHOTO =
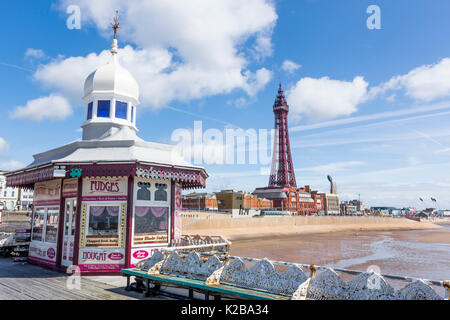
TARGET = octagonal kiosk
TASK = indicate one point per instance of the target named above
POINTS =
(110, 199)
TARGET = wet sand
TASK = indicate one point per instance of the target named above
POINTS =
(423, 254)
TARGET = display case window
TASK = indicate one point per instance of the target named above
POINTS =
(151, 216)
(103, 220)
(38, 224)
(45, 224)
(151, 225)
(51, 228)
(74, 218)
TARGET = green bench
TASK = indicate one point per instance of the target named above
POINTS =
(215, 290)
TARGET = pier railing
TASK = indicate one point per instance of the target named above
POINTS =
(200, 243)
(323, 283)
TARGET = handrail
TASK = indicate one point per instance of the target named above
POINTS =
(308, 266)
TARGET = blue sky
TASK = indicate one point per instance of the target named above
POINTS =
(369, 107)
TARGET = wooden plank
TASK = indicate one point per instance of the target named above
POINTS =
(22, 281)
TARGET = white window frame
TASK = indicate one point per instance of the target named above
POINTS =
(106, 204)
(44, 227)
(152, 203)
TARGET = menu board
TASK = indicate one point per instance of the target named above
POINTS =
(70, 188)
(47, 193)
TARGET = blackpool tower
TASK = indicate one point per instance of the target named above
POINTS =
(282, 170)
(282, 188)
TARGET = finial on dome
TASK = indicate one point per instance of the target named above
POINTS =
(116, 27)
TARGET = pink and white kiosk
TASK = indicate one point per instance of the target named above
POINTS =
(108, 200)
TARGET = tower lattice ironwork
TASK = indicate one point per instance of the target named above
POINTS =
(282, 172)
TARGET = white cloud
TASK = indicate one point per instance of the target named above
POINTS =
(290, 66)
(239, 102)
(186, 50)
(54, 107)
(3, 144)
(332, 167)
(263, 45)
(254, 82)
(425, 83)
(35, 54)
(11, 165)
(324, 98)
(413, 161)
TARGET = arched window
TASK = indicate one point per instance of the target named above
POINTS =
(89, 111)
(121, 110)
(103, 108)
(132, 114)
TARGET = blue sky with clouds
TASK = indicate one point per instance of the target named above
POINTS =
(369, 107)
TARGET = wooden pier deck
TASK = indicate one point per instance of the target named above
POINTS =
(22, 281)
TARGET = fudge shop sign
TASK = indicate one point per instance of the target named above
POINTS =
(105, 189)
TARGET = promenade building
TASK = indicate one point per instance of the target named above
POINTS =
(358, 204)
(319, 199)
(25, 199)
(241, 203)
(8, 195)
(14, 198)
(332, 206)
(348, 209)
(200, 201)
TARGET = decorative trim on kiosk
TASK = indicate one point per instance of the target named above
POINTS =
(123, 219)
(30, 177)
(188, 178)
(83, 224)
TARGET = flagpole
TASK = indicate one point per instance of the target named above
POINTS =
(421, 200)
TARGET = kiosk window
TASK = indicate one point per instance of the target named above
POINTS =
(161, 193)
(51, 229)
(143, 192)
(103, 107)
(151, 225)
(38, 224)
(103, 220)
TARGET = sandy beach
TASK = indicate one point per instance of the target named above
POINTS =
(415, 253)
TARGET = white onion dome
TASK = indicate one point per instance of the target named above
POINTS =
(112, 78)
(111, 94)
